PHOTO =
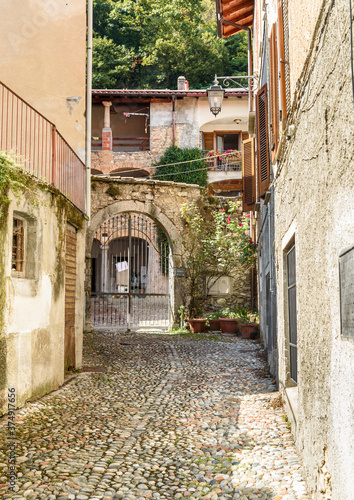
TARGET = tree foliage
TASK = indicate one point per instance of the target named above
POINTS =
(216, 242)
(191, 173)
(149, 43)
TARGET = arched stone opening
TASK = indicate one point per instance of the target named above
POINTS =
(128, 265)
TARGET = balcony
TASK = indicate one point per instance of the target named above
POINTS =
(223, 165)
(41, 150)
(123, 144)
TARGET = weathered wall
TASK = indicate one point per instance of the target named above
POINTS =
(192, 115)
(43, 60)
(314, 203)
(34, 319)
(162, 201)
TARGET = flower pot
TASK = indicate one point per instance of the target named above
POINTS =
(248, 328)
(214, 325)
(228, 325)
(197, 325)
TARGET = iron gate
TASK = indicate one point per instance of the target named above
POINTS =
(130, 274)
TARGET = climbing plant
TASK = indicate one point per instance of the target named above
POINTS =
(176, 170)
(216, 243)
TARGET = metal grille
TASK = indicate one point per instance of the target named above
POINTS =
(130, 274)
(18, 245)
(286, 54)
(291, 268)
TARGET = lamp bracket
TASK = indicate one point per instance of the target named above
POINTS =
(232, 82)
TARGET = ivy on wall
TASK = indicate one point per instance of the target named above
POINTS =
(190, 173)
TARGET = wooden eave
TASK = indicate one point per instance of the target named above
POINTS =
(233, 11)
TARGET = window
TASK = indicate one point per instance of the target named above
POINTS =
(291, 289)
(24, 261)
(18, 245)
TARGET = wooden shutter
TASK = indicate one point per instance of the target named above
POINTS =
(208, 141)
(283, 43)
(248, 175)
(262, 140)
(282, 61)
(70, 292)
(274, 90)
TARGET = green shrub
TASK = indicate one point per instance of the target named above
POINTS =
(190, 173)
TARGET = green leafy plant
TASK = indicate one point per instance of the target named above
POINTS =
(191, 173)
(182, 316)
(216, 243)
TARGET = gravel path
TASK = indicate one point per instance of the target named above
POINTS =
(170, 417)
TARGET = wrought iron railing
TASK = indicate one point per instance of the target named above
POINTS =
(227, 161)
(40, 149)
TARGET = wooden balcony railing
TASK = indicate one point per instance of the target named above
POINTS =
(40, 149)
(223, 161)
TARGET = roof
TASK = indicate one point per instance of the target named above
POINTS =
(238, 12)
(162, 93)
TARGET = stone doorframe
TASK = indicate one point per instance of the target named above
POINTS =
(160, 200)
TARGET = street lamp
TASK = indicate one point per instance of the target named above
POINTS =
(215, 95)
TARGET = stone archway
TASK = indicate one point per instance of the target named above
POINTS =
(159, 200)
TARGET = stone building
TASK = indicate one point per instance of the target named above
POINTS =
(303, 196)
(42, 242)
(131, 129)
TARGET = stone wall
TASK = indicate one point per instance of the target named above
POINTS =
(160, 200)
(32, 306)
(314, 192)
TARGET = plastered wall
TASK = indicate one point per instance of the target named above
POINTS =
(314, 192)
(43, 44)
(34, 303)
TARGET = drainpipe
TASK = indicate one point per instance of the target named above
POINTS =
(173, 120)
(88, 109)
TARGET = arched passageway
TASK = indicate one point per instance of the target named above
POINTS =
(130, 274)
(137, 272)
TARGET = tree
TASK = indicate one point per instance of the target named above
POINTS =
(149, 43)
(216, 242)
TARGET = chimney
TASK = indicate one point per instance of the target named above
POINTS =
(182, 83)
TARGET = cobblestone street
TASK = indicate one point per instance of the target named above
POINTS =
(167, 417)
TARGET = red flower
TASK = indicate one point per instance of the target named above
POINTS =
(248, 215)
(228, 220)
(223, 210)
(251, 242)
(240, 224)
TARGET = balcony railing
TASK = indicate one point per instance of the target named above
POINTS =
(40, 149)
(223, 161)
(123, 144)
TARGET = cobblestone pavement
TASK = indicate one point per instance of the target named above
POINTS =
(170, 418)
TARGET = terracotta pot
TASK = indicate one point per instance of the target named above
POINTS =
(214, 325)
(228, 325)
(197, 325)
(247, 328)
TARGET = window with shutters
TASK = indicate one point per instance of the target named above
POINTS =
(274, 91)
(262, 140)
(248, 175)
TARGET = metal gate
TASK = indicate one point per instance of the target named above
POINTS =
(130, 274)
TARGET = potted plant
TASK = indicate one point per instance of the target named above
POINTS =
(198, 325)
(213, 321)
(228, 322)
(248, 328)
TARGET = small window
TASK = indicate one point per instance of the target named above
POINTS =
(24, 262)
(18, 245)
